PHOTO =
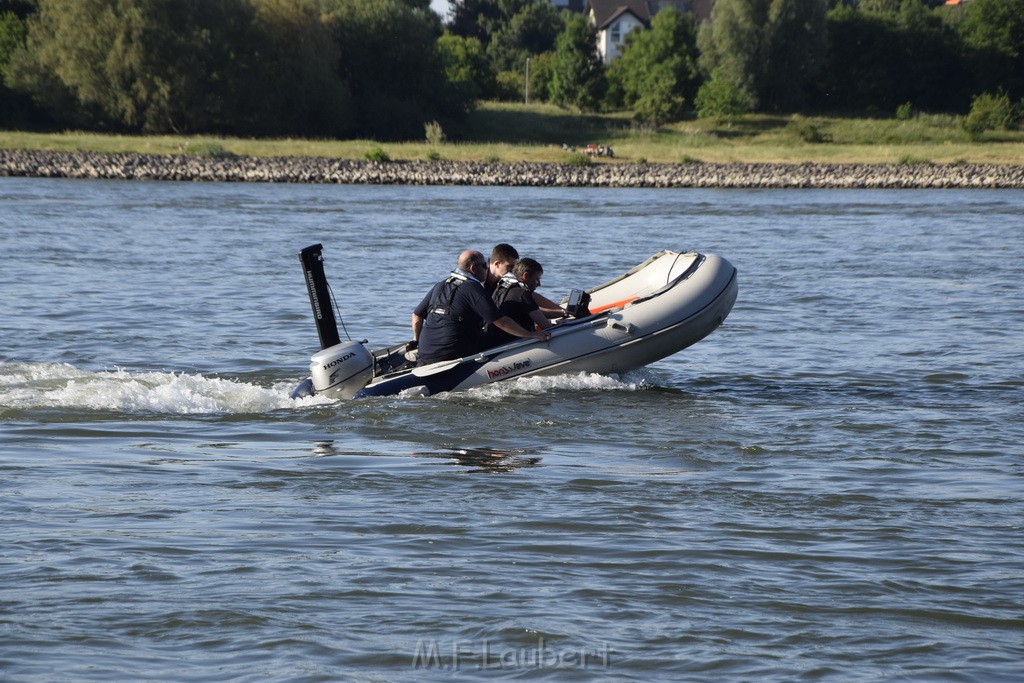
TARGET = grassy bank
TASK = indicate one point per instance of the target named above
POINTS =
(510, 132)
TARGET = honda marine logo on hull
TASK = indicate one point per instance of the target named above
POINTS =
(508, 369)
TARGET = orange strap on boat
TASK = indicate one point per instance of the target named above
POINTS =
(625, 301)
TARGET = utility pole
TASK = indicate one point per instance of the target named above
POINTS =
(527, 80)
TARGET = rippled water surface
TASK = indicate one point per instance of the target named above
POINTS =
(828, 487)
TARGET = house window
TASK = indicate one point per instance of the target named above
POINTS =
(616, 33)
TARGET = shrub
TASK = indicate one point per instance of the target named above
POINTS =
(988, 112)
(719, 98)
(434, 132)
(207, 148)
(905, 112)
(579, 160)
(433, 155)
(378, 154)
(810, 132)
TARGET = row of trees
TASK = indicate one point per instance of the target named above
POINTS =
(382, 68)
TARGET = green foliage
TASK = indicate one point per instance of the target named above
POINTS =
(657, 73)
(913, 160)
(905, 112)
(542, 73)
(389, 59)
(12, 37)
(730, 45)
(466, 67)
(207, 148)
(794, 49)
(989, 112)
(301, 87)
(511, 86)
(15, 108)
(378, 154)
(529, 31)
(433, 155)
(579, 160)
(882, 60)
(434, 133)
(994, 32)
(809, 132)
(720, 98)
(578, 77)
(144, 64)
(771, 50)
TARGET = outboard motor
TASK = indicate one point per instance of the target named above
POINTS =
(339, 369)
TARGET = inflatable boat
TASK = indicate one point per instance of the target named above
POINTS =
(665, 304)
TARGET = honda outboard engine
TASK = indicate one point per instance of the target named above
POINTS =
(341, 370)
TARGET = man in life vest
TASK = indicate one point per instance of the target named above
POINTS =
(449, 322)
(515, 297)
(503, 259)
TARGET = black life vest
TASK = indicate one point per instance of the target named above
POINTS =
(506, 284)
(441, 304)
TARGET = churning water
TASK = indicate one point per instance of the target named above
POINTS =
(828, 487)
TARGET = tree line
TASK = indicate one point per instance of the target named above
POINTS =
(385, 68)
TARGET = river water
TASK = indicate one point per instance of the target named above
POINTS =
(828, 487)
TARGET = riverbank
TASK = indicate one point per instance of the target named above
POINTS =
(31, 163)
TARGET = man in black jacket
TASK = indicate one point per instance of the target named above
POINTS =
(449, 322)
(514, 296)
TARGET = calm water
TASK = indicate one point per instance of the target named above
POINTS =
(828, 487)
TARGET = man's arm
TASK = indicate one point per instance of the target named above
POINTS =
(548, 307)
(516, 330)
(538, 316)
(417, 327)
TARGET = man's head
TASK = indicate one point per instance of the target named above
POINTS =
(473, 262)
(529, 271)
(503, 257)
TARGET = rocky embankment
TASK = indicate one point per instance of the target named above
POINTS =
(621, 174)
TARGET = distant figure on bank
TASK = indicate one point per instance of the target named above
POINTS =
(449, 322)
(515, 298)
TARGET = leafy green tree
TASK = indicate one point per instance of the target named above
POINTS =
(390, 60)
(657, 74)
(532, 30)
(994, 31)
(578, 77)
(542, 73)
(14, 108)
(989, 112)
(770, 50)
(795, 43)
(302, 87)
(720, 98)
(731, 44)
(475, 18)
(151, 65)
(466, 66)
(878, 61)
